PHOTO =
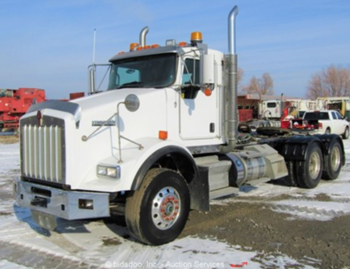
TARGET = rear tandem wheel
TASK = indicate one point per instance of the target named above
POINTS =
(333, 161)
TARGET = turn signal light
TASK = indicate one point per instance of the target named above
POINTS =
(163, 135)
(207, 92)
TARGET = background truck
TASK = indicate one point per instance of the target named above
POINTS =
(341, 104)
(323, 122)
(161, 141)
(15, 103)
(277, 109)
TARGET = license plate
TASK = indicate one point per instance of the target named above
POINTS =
(46, 221)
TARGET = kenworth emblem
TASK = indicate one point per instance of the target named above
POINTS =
(39, 118)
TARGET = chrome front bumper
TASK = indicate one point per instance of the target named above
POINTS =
(70, 205)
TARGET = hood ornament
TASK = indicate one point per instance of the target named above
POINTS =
(39, 118)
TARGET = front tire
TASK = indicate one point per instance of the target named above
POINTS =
(308, 173)
(157, 213)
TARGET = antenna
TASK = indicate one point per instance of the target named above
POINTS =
(94, 47)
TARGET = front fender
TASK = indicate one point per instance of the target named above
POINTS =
(179, 159)
(182, 158)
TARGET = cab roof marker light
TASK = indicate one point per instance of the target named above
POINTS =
(170, 42)
(133, 46)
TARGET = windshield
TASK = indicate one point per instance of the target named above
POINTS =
(156, 71)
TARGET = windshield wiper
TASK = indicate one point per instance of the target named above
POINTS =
(131, 84)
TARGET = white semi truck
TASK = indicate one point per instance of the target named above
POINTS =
(160, 141)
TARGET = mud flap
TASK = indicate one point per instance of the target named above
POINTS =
(46, 221)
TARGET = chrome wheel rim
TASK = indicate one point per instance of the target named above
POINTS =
(314, 165)
(166, 208)
(335, 159)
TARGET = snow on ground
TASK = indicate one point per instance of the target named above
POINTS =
(9, 157)
(97, 244)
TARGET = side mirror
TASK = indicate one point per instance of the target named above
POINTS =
(189, 92)
(207, 69)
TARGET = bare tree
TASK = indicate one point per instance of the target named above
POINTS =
(333, 81)
(261, 86)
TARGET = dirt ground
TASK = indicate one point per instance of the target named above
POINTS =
(8, 139)
(252, 225)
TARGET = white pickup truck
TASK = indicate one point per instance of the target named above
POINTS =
(326, 122)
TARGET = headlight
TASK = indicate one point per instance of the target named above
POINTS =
(108, 171)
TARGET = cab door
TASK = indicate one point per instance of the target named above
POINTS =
(199, 114)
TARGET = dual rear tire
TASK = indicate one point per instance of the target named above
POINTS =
(316, 165)
(307, 174)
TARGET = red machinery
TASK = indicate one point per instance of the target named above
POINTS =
(15, 103)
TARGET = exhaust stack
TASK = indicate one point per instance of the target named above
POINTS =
(143, 34)
(231, 112)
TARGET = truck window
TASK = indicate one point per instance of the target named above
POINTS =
(156, 71)
(338, 115)
(324, 116)
(334, 115)
(191, 72)
(190, 79)
(316, 116)
(271, 105)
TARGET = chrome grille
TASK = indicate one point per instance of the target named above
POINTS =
(43, 149)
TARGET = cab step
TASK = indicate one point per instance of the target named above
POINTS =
(223, 192)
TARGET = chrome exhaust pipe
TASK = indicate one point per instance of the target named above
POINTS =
(231, 111)
(143, 34)
(232, 30)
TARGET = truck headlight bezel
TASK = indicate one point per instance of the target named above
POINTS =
(110, 171)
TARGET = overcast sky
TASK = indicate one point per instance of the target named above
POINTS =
(49, 44)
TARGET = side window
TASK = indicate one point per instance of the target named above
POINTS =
(271, 105)
(340, 116)
(191, 72)
(190, 79)
(334, 115)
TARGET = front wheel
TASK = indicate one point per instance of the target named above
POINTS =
(308, 173)
(157, 213)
